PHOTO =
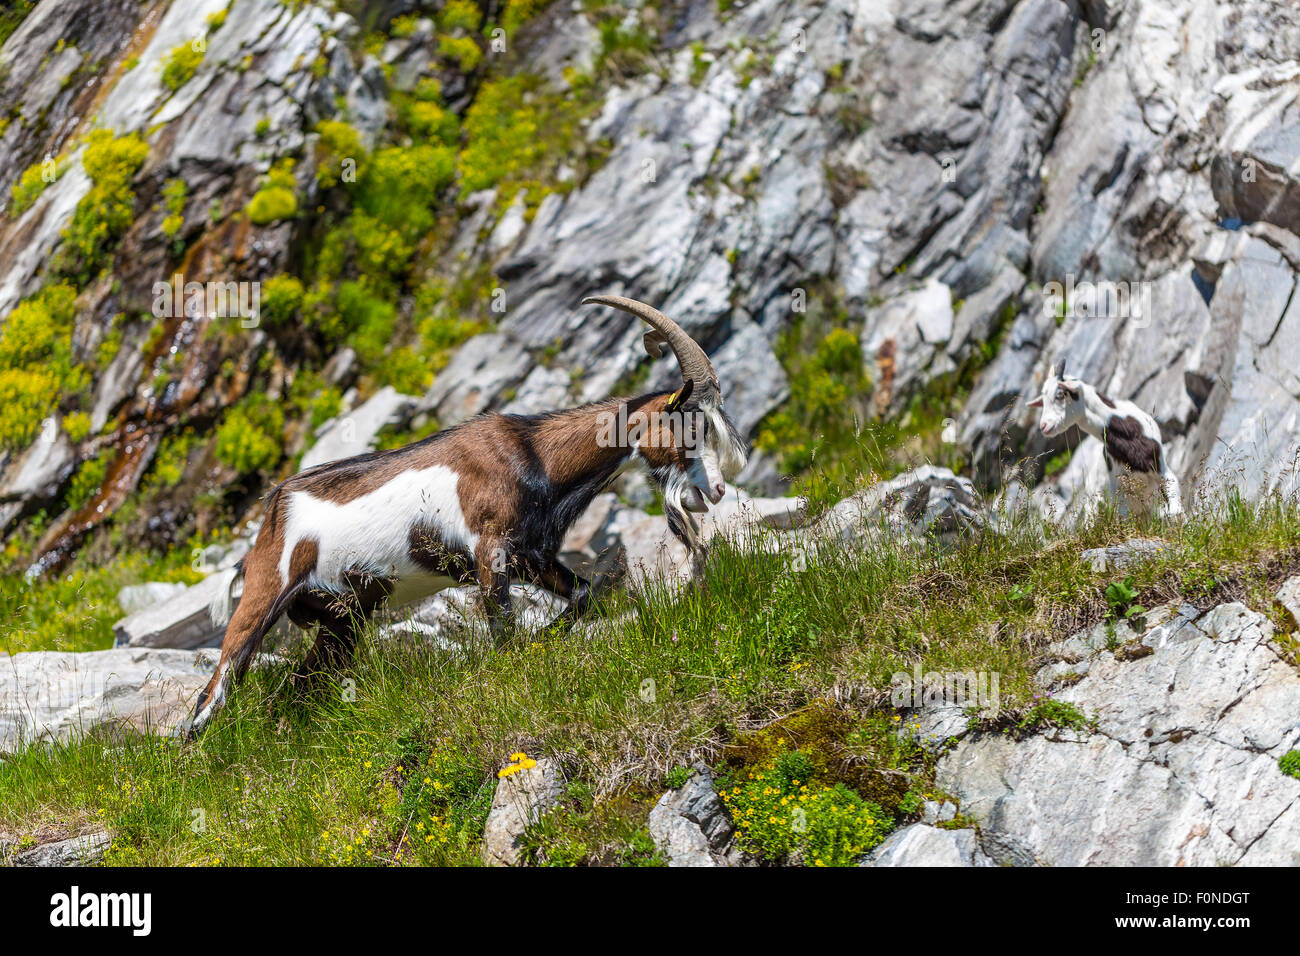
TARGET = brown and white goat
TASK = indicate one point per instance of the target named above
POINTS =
(1140, 477)
(481, 502)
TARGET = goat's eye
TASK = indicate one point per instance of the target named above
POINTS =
(1060, 394)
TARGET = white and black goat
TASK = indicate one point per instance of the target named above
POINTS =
(1140, 477)
(481, 503)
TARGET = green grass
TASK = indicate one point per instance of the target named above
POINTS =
(76, 611)
(393, 761)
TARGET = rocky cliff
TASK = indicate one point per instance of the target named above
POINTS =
(969, 188)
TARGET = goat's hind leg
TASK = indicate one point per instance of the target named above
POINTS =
(491, 564)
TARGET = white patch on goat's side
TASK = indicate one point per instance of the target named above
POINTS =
(372, 533)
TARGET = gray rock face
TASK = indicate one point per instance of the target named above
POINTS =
(55, 694)
(1191, 718)
(1173, 178)
(521, 800)
(691, 826)
(922, 845)
(355, 432)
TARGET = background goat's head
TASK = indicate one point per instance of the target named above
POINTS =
(693, 449)
(1061, 401)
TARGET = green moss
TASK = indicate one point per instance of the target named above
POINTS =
(461, 50)
(276, 199)
(181, 64)
(250, 437)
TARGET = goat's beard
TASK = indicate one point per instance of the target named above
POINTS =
(681, 497)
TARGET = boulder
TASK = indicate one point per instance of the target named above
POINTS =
(137, 597)
(521, 799)
(180, 621)
(1117, 557)
(85, 850)
(691, 826)
(925, 502)
(922, 845)
(57, 694)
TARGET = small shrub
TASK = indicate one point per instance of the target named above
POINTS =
(276, 199)
(678, 776)
(107, 211)
(87, 481)
(281, 300)
(35, 178)
(76, 425)
(174, 200)
(250, 437)
(782, 816)
(338, 142)
(463, 51)
(461, 14)
(1055, 713)
(181, 64)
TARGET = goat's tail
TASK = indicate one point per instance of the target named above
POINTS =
(222, 605)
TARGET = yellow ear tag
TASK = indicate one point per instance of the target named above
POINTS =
(672, 398)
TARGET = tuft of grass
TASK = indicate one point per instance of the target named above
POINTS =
(1289, 763)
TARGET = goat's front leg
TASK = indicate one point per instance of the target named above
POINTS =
(492, 562)
(1173, 494)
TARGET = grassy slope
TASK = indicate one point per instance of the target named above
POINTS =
(396, 760)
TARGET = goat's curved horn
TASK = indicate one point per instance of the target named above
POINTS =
(1059, 370)
(694, 362)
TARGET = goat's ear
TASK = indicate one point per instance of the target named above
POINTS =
(1037, 403)
(680, 397)
(1074, 393)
